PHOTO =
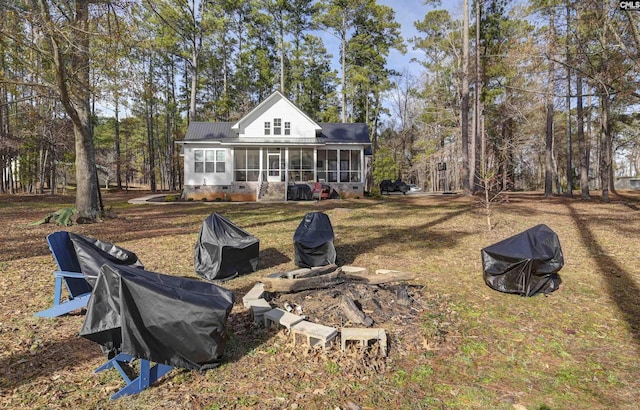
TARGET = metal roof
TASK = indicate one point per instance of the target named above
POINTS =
(331, 133)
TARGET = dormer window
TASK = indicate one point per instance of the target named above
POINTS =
(287, 128)
(267, 128)
(277, 126)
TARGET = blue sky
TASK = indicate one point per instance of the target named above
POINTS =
(407, 12)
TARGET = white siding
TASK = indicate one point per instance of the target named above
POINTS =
(206, 178)
(301, 127)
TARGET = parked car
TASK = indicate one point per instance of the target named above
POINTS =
(414, 188)
(398, 186)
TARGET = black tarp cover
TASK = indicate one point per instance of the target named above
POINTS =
(299, 192)
(526, 263)
(224, 250)
(165, 319)
(93, 253)
(313, 241)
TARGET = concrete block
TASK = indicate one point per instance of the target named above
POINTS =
(354, 269)
(258, 308)
(281, 317)
(363, 335)
(316, 335)
(257, 292)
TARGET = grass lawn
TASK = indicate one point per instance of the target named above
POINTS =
(469, 347)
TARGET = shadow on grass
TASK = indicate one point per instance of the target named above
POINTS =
(409, 236)
(621, 286)
(271, 257)
(52, 356)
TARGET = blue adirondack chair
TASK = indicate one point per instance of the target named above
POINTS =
(147, 374)
(69, 274)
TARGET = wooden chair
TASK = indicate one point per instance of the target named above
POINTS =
(320, 191)
(69, 274)
(147, 375)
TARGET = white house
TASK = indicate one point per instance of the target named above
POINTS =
(270, 150)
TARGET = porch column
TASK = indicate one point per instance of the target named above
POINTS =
(315, 164)
(286, 173)
(363, 169)
(338, 165)
(261, 164)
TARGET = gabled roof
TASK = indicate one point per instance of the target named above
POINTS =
(229, 133)
(209, 131)
(339, 132)
(330, 133)
(271, 100)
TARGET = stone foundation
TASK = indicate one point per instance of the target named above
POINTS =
(247, 191)
(235, 192)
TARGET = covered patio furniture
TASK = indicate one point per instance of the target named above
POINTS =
(313, 241)
(79, 259)
(299, 192)
(161, 320)
(525, 264)
(224, 250)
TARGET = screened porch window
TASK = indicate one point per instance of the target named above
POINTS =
(300, 164)
(350, 166)
(346, 168)
(246, 164)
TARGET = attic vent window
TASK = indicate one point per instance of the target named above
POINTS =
(287, 128)
(277, 126)
(267, 128)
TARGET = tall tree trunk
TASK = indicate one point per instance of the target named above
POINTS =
(583, 146)
(75, 97)
(548, 174)
(117, 143)
(281, 46)
(42, 166)
(150, 130)
(54, 171)
(464, 101)
(194, 85)
(474, 174)
(569, 151)
(605, 145)
(343, 80)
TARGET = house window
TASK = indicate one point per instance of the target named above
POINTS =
(345, 168)
(300, 164)
(350, 166)
(247, 164)
(277, 126)
(287, 128)
(327, 166)
(209, 161)
(267, 128)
